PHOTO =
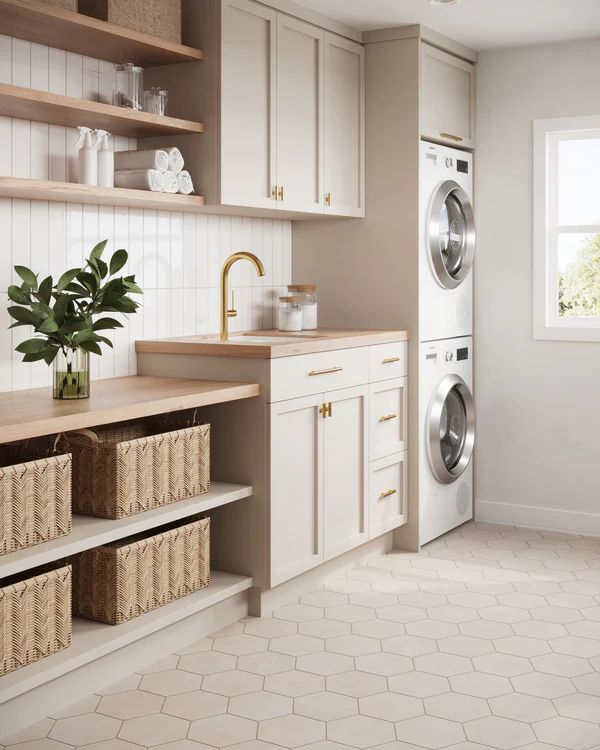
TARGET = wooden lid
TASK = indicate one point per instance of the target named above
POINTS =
(303, 288)
(292, 298)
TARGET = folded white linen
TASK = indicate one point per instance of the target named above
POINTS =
(140, 179)
(175, 159)
(184, 181)
(156, 158)
(170, 182)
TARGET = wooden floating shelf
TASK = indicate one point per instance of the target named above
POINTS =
(56, 109)
(89, 532)
(71, 192)
(45, 24)
(93, 640)
(33, 413)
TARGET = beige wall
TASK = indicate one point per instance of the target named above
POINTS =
(538, 448)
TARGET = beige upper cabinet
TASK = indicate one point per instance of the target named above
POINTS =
(447, 98)
(299, 96)
(248, 148)
(344, 132)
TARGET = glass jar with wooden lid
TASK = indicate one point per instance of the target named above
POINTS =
(290, 313)
(308, 293)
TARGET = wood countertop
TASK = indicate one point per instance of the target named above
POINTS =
(271, 344)
(33, 413)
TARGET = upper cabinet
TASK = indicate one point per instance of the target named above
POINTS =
(447, 98)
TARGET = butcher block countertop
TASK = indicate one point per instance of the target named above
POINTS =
(271, 344)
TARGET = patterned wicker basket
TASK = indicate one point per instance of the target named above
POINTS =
(35, 617)
(35, 498)
(124, 469)
(119, 581)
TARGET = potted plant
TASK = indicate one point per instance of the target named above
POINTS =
(65, 316)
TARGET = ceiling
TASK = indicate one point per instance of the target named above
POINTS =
(480, 24)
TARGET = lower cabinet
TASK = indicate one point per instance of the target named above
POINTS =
(387, 494)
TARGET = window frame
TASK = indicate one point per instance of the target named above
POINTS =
(547, 325)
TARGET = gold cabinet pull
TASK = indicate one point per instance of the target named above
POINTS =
(280, 193)
(387, 417)
(325, 372)
(387, 493)
(452, 137)
(325, 410)
(274, 192)
(328, 199)
(390, 360)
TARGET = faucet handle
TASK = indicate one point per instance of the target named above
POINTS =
(232, 312)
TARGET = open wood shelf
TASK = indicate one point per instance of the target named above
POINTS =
(33, 413)
(89, 532)
(45, 24)
(92, 640)
(57, 109)
(71, 192)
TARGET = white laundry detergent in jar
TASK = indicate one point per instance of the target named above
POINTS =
(308, 293)
(290, 313)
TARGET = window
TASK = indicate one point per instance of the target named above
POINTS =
(567, 229)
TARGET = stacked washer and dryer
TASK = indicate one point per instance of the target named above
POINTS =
(446, 407)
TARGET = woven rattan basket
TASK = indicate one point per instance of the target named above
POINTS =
(35, 617)
(35, 498)
(122, 580)
(123, 470)
(161, 18)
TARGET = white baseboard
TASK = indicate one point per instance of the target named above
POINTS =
(533, 517)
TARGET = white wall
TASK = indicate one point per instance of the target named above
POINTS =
(538, 417)
(176, 257)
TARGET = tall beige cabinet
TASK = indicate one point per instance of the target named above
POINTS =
(419, 85)
(283, 103)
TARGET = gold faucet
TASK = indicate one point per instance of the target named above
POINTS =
(231, 312)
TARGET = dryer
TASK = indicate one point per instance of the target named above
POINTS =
(447, 243)
(446, 436)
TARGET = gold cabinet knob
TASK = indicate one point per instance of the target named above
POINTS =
(328, 199)
(280, 193)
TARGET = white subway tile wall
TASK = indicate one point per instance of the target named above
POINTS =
(176, 257)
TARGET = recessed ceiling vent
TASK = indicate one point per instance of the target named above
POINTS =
(444, 2)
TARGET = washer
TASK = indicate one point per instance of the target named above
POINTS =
(447, 243)
(447, 436)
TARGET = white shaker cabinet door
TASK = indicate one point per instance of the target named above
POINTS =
(345, 522)
(296, 475)
(248, 53)
(344, 120)
(447, 98)
(299, 115)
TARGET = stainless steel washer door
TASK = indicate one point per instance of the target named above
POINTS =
(450, 429)
(451, 228)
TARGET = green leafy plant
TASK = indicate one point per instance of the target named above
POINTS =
(65, 315)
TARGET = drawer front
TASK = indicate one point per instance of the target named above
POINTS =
(387, 361)
(308, 374)
(387, 418)
(387, 494)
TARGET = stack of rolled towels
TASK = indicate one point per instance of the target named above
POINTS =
(160, 170)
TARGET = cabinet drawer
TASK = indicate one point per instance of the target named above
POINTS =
(387, 494)
(387, 418)
(387, 361)
(307, 374)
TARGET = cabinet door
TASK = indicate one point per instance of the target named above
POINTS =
(345, 520)
(248, 104)
(344, 127)
(296, 504)
(387, 418)
(447, 98)
(299, 114)
(387, 494)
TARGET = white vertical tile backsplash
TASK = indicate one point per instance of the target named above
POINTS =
(176, 257)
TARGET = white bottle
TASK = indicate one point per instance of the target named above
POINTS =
(106, 159)
(87, 158)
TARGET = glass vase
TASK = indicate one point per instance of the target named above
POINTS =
(71, 370)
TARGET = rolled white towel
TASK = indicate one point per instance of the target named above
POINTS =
(150, 159)
(175, 159)
(170, 182)
(184, 181)
(140, 179)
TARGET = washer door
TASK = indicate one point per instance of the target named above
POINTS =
(450, 429)
(451, 228)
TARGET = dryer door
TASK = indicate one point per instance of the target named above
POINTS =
(451, 234)
(450, 429)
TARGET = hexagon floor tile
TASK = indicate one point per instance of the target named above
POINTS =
(488, 639)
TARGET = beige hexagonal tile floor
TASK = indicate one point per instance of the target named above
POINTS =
(488, 639)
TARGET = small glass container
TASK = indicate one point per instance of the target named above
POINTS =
(71, 374)
(290, 313)
(129, 91)
(308, 294)
(155, 101)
